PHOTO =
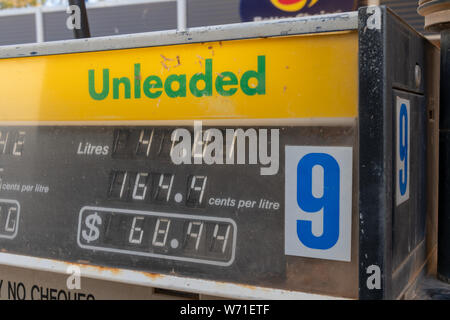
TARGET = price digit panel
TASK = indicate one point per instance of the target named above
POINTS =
(114, 196)
(181, 237)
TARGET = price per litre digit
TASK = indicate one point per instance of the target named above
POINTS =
(9, 218)
(182, 237)
(155, 188)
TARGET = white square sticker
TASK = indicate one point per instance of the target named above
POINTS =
(318, 198)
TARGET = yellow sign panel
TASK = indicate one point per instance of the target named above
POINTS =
(309, 76)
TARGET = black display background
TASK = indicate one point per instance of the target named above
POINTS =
(49, 221)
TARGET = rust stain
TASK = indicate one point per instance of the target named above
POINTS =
(100, 269)
(168, 63)
(178, 62)
(165, 58)
(115, 271)
(152, 276)
(85, 264)
(247, 286)
(164, 65)
(83, 261)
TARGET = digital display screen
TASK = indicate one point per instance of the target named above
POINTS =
(161, 235)
(113, 196)
(9, 218)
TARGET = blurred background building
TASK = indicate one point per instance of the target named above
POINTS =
(27, 21)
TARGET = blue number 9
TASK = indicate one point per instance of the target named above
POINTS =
(403, 148)
(329, 201)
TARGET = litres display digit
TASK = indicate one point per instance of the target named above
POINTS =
(145, 142)
(150, 143)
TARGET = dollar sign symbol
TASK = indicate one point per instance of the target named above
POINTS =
(91, 221)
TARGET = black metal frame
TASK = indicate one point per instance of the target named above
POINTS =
(371, 155)
(443, 268)
(391, 237)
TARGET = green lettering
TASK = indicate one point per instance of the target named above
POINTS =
(175, 85)
(226, 79)
(148, 85)
(105, 90)
(207, 79)
(126, 84)
(181, 91)
(137, 80)
(260, 76)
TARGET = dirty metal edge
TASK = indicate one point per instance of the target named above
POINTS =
(260, 29)
(207, 287)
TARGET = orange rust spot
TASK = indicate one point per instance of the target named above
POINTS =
(247, 286)
(4, 250)
(152, 276)
(238, 284)
(178, 61)
(97, 268)
(116, 271)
